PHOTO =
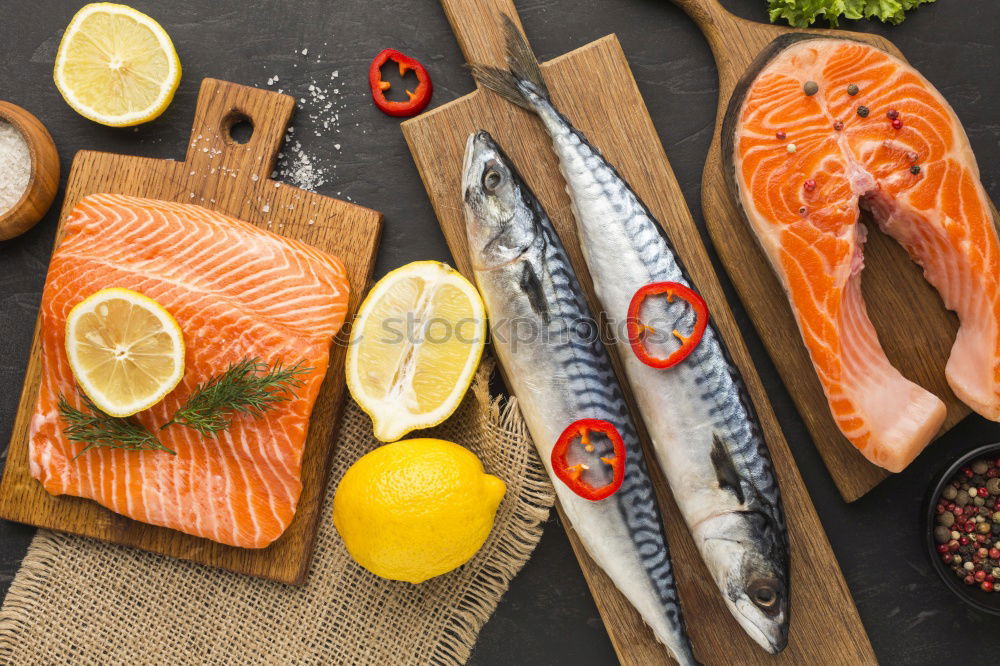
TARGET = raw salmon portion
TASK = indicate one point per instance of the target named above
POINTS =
(236, 291)
(909, 162)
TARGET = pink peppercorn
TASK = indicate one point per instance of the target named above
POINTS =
(897, 124)
(994, 553)
(983, 492)
(986, 586)
(780, 135)
(892, 114)
(809, 185)
(980, 576)
(969, 580)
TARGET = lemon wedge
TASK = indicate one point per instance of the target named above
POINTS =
(125, 350)
(116, 66)
(415, 346)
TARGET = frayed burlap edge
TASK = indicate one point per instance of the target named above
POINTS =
(470, 611)
(516, 544)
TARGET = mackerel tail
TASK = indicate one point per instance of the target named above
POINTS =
(560, 372)
(704, 429)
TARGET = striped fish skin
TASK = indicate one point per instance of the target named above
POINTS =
(560, 372)
(236, 291)
(703, 426)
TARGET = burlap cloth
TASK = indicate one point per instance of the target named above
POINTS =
(80, 601)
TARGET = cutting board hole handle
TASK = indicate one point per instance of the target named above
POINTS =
(237, 127)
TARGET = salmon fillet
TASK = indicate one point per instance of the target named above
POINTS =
(236, 291)
(909, 162)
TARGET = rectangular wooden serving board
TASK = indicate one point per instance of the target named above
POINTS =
(825, 626)
(913, 326)
(234, 179)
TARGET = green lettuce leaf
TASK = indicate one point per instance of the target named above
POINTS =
(803, 13)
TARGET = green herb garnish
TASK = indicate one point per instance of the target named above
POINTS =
(100, 429)
(249, 387)
(802, 13)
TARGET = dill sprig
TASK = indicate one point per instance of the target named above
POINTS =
(99, 429)
(248, 387)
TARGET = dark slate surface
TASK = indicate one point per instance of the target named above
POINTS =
(548, 616)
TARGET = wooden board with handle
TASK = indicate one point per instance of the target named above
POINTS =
(914, 328)
(234, 179)
(825, 626)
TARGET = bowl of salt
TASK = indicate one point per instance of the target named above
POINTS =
(29, 170)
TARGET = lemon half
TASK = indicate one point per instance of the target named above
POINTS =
(116, 66)
(415, 346)
(125, 350)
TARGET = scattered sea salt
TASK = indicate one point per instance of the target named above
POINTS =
(15, 166)
(266, 208)
(319, 115)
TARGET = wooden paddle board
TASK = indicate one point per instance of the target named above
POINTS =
(234, 179)
(914, 328)
(825, 626)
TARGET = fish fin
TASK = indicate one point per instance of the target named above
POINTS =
(524, 78)
(502, 82)
(522, 62)
(725, 470)
(532, 288)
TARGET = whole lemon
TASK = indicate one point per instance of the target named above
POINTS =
(415, 509)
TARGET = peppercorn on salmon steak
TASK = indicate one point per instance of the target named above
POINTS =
(219, 456)
(818, 130)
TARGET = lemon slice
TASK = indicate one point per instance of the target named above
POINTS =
(125, 350)
(116, 66)
(415, 345)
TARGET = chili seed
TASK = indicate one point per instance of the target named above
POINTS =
(863, 111)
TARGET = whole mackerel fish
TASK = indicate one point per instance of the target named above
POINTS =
(703, 426)
(560, 372)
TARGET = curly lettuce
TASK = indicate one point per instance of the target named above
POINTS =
(802, 13)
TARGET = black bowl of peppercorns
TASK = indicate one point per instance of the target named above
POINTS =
(963, 535)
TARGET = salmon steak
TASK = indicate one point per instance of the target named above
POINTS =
(236, 291)
(818, 129)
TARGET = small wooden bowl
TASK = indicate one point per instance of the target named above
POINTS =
(44, 179)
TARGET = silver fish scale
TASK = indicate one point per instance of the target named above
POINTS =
(592, 378)
(734, 419)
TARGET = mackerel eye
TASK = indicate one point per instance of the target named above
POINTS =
(492, 179)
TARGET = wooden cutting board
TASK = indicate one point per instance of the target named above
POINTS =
(825, 624)
(234, 179)
(913, 325)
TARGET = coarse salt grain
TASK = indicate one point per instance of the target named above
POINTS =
(15, 166)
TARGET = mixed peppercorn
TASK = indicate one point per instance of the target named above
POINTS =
(967, 524)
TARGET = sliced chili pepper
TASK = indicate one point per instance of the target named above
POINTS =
(572, 475)
(419, 99)
(637, 330)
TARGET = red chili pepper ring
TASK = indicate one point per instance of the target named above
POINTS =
(578, 434)
(419, 99)
(637, 330)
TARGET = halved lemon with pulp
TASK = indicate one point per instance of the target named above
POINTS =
(125, 350)
(415, 346)
(116, 66)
